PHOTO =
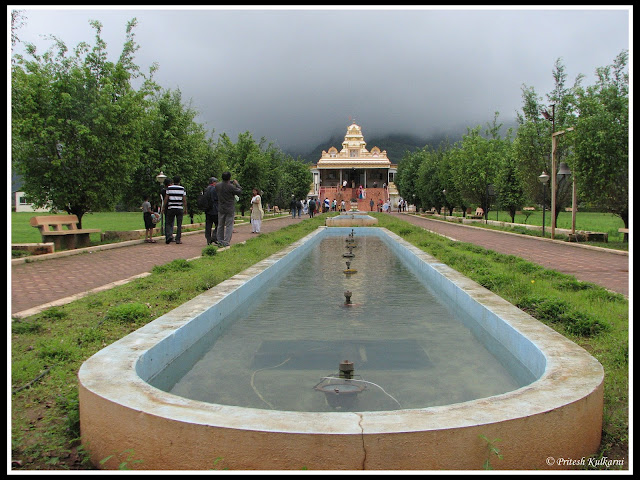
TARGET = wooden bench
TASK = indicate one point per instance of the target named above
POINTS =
(62, 231)
(625, 231)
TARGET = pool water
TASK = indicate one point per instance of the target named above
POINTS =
(410, 349)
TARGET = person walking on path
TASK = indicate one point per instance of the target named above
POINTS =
(211, 213)
(299, 207)
(312, 207)
(256, 211)
(293, 205)
(227, 191)
(175, 204)
(147, 215)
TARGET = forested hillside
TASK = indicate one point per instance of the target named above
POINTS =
(395, 145)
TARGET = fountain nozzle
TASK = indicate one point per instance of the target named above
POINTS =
(347, 297)
(346, 369)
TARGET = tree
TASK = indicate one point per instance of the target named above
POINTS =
(174, 143)
(509, 184)
(406, 175)
(533, 141)
(475, 164)
(428, 184)
(601, 162)
(76, 123)
(248, 165)
(296, 180)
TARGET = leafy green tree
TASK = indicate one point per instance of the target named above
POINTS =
(475, 163)
(296, 180)
(173, 143)
(248, 165)
(509, 185)
(77, 123)
(406, 175)
(427, 183)
(272, 189)
(451, 194)
(601, 162)
(532, 146)
(533, 141)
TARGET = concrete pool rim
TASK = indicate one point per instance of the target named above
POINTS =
(571, 376)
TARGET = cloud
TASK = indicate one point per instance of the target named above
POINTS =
(295, 75)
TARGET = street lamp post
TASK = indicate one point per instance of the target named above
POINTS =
(444, 205)
(554, 186)
(490, 192)
(160, 179)
(544, 178)
(554, 183)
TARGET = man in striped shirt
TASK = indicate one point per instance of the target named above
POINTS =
(175, 205)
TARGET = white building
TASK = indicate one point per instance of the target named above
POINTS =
(21, 204)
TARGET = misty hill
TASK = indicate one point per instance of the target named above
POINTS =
(395, 145)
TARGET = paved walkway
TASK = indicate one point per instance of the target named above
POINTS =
(604, 267)
(41, 284)
(54, 281)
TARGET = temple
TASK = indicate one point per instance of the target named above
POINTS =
(355, 173)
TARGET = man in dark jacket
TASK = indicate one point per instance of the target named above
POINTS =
(227, 190)
(211, 213)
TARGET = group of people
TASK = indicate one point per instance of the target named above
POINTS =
(298, 207)
(219, 199)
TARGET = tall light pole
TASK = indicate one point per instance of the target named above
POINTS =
(444, 204)
(160, 179)
(490, 192)
(544, 178)
(554, 186)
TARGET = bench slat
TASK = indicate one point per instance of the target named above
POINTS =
(72, 232)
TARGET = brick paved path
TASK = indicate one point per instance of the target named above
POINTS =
(596, 265)
(38, 283)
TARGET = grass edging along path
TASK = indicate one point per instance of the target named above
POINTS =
(48, 348)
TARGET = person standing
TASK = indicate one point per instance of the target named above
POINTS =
(293, 205)
(227, 190)
(256, 211)
(147, 213)
(371, 203)
(299, 207)
(211, 213)
(175, 205)
(312, 207)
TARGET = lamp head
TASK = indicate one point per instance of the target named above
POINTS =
(543, 178)
(563, 169)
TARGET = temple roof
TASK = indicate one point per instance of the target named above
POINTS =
(354, 153)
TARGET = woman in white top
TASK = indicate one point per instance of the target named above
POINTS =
(256, 212)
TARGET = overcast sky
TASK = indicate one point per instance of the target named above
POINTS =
(297, 75)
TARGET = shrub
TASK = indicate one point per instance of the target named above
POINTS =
(55, 350)
(551, 310)
(180, 264)
(54, 313)
(128, 312)
(19, 327)
(209, 251)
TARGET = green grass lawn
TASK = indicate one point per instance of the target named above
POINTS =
(588, 221)
(23, 232)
